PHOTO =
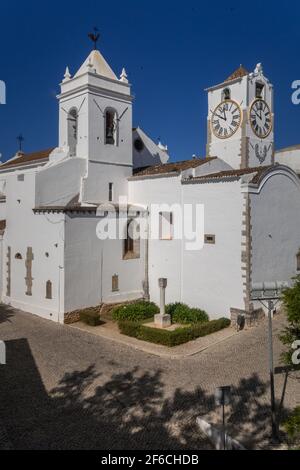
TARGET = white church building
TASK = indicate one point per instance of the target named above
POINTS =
(53, 261)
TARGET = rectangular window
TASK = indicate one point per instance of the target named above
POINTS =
(298, 261)
(132, 241)
(165, 225)
(209, 239)
(20, 177)
(110, 191)
(115, 283)
(48, 290)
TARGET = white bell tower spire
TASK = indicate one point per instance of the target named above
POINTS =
(95, 121)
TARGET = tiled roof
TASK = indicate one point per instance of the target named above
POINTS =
(233, 173)
(72, 206)
(173, 167)
(25, 158)
(238, 73)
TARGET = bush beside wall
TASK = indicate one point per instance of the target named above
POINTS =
(182, 313)
(136, 311)
(90, 316)
(171, 338)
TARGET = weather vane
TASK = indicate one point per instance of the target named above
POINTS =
(20, 139)
(94, 37)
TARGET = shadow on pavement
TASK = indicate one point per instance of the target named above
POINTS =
(127, 411)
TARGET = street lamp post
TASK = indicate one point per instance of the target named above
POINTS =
(222, 398)
(270, 292)
(271, 367)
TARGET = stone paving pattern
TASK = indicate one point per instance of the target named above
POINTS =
(63, 388)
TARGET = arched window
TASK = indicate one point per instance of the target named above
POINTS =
(132, 241)
(226, 94)
(111, 127)
(72, 130)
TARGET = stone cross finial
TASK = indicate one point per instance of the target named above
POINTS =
(89, 64)
(258, 68)
(123, 76)
(67, 75)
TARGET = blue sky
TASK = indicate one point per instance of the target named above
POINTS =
(171, 51)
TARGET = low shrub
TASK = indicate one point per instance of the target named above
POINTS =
(292, 425)
(90, 317)
(182, 313)
(171, 338)
(136, 311)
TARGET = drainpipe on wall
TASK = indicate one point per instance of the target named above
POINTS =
(146, 278)
(60, 268)
(101, 276)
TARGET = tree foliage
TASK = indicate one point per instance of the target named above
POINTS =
(291, 333)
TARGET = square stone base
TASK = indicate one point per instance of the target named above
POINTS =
(163, 321)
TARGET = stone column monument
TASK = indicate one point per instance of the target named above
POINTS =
(162, 319)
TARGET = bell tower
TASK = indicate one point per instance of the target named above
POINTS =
(240, 119)
(95, 123)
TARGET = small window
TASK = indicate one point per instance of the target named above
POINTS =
(48, 290)
(259, 90)
(20, 177)
(226, 94)
(139, 145)
(210, 239)
(165, 225)
(298, 261)
(110, 192)
(72, 130)
(115, 283)
(18, 256)
(111, 127)
(132, 240)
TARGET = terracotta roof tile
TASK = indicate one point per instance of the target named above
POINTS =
(27, 158)
(235, 173)
(238, 73)
(173, 167)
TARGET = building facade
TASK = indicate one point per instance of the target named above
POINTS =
(55, 205)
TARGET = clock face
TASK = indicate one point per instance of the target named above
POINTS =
(226, 119)
(260, 118)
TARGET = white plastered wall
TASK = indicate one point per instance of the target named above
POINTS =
(90, 264)
(275, 220)
(44, 233)
(197, 277)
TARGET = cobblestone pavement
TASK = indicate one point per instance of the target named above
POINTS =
(63, 388)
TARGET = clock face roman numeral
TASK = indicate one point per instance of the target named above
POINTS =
(226, 119)
(260, 118)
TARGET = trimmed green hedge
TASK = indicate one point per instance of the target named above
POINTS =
(171, 338)
(90, 317)
(182, 313)
(136, 311)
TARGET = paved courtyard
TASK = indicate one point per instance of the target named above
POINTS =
(63, 388)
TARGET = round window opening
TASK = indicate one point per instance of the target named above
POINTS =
(138, 145)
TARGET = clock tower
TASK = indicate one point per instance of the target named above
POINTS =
(240, 123)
